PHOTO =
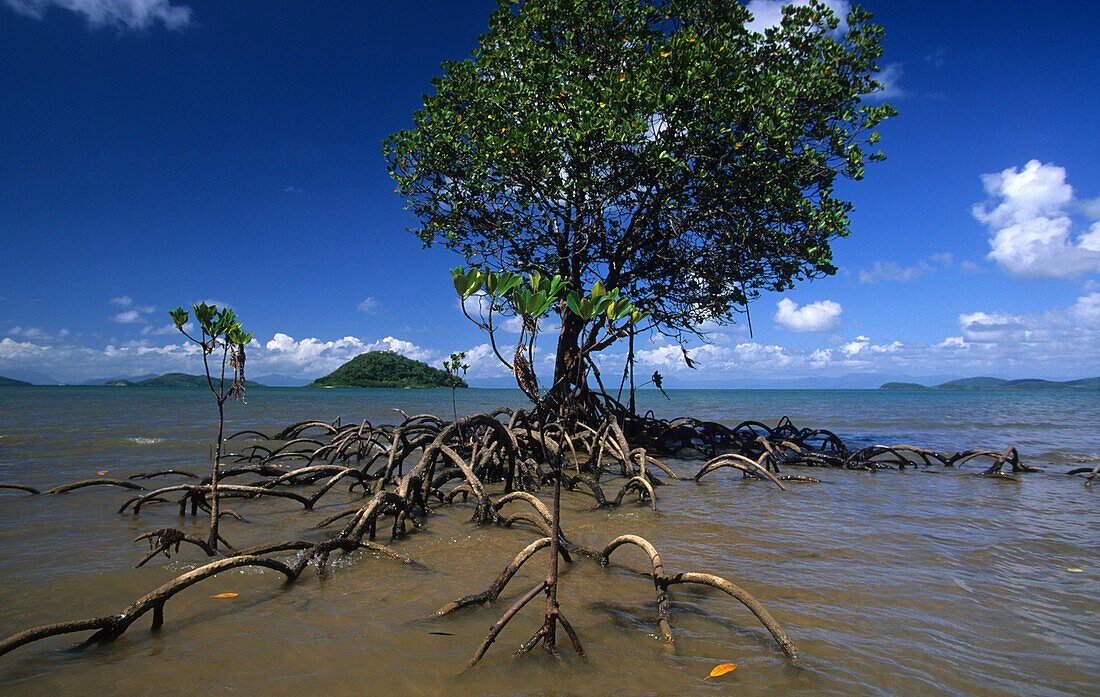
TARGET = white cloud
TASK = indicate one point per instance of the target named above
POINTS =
(755, 354)
(127, 317)
(405, 348)
(889, 271)
(125, 14)
(890, 77)
(311, 356)
(1068, 338)
(993, 327)
(862, 345)
(369, 306)
(13, 350)
(821, 316)
(484, 363)
(821, 357)
(33, 333)
(135, 314)
(768, 13)
(1029, 215)
(669, 357)
(1086, 311)
(166, 329)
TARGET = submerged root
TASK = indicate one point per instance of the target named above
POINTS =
(21, 487)
(64, 488)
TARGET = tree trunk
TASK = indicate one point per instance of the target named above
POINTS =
(569, 374)
(215, 512)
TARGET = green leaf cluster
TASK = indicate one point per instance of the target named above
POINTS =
(214, 323)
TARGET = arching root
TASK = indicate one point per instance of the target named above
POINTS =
(662, 581)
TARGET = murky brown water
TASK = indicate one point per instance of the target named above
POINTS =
(911, 583)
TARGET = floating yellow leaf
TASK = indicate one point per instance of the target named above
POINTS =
(1076, 570)
(721, 670)
(224, 595)
(102, 473)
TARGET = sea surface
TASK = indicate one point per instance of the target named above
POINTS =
(929, 581)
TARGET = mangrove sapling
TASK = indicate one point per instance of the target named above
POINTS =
(606, 317)
(452, 366)
(218, 329)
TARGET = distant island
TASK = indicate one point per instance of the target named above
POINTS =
(173, 380)
(987, 383)
(8, 382)
(386, 369)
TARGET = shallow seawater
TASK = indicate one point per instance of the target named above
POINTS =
(919, 582)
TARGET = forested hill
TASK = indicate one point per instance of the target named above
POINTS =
(11, 382)
(176, 380)
(386, 369)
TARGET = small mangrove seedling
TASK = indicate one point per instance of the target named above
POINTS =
(452, 367)
(218, 330)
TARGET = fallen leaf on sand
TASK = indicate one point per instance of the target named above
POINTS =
(721, 670)
(224, 595)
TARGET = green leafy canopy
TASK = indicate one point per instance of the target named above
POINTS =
(660, 147)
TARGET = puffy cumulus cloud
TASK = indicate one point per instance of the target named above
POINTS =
(768, 13)
(313, 357)
(1063, 341)
(983, 327)
(1033, 232)
(669, 357)
(484, 363)
(309, 355)
(1086, 311)
(863, 345)
(889, 271)
(755, 354)
(136, 15)
(12, 350)
(821, 316)
(405, 348)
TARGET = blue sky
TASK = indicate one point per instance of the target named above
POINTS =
(154, 153)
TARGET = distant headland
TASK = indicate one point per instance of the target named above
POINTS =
(173, 380)
(987, 383)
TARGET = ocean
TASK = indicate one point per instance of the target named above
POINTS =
(926, 581)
